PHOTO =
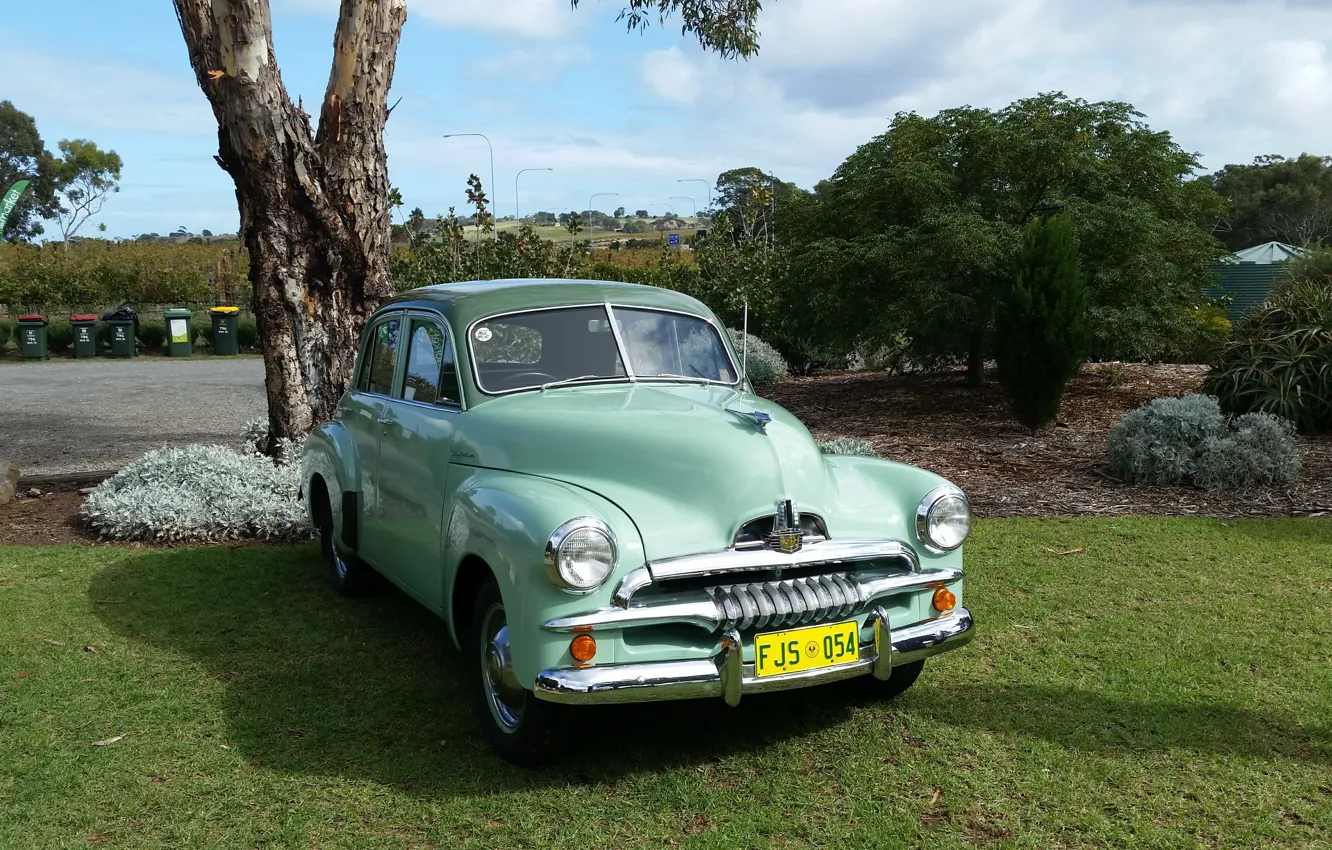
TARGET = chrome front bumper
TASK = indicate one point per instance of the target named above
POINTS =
(727, 675)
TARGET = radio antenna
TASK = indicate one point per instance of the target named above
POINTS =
(744, 345)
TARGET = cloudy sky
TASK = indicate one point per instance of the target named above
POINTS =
(635, 114)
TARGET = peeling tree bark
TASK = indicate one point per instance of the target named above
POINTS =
(314, 206)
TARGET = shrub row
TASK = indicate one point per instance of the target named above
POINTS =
(96, 273)
(1189, 440)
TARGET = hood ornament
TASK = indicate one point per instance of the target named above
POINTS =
(757, 418)
(786, 536)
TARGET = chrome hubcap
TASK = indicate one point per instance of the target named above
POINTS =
(503, 693)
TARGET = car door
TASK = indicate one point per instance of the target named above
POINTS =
(414, 457)
(364, 415)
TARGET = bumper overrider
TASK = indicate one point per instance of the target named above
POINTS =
(859, 576)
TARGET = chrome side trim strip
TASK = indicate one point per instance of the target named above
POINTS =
(725, 675)
(826, 552)
(701, 610)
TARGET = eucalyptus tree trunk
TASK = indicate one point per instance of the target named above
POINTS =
(314, 205)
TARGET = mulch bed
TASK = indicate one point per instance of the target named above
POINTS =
(968, 436)
(43, 520)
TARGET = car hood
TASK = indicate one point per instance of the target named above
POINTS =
(687, 470)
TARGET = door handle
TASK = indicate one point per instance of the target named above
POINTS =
(384, 420)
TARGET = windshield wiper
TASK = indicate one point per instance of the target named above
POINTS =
(564, 381)
(690, 378)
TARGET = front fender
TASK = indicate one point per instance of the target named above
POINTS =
(878, 498)
(505, 519)
(330, 453)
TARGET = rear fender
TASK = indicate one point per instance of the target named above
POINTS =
(330, 454)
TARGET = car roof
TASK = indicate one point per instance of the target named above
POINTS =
(468, 301)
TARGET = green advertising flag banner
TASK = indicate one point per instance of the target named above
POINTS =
(11, 200)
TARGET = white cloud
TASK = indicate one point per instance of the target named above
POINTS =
(536, 63)
(526, 18)
(112, 93)
(1229, 79)
(670, 75)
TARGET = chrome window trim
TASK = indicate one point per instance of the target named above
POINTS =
(557, 539)
(619, 342)
(609, 308)
(926, 505)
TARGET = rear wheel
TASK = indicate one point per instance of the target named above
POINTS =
(346, 573)
(903, 677)
(520, 727)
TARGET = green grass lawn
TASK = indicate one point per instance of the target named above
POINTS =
(1168, 686)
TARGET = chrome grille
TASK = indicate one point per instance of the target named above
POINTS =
(787, 602)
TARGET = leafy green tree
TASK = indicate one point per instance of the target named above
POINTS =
(1041, 332)
(619, 212)
(1275, 199)
(23, 156)
(86, 176)
(640, 214)
(919, 229)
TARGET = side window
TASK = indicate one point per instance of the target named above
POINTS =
(382, 358)
(432, 374)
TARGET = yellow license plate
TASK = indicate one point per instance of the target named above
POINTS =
(809, 648)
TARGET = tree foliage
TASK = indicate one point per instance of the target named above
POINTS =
(1041, 330)
(918, 231)
(23, 156)
(1275, 199)
(85, 177)
(728, 27)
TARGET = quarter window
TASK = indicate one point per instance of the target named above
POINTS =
(377, 377)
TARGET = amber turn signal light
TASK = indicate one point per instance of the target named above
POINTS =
(944, 600)
(583, 648)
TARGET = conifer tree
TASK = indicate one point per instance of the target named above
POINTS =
(1042, 332)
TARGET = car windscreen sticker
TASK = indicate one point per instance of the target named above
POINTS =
(483, 334)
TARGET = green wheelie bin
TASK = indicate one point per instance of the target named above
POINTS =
(32, 337)
(224, 330)
(122, 337)
(85, 335)
(179, 343)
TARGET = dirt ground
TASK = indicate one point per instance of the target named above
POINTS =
(966, 435)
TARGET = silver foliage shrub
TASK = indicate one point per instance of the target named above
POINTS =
(199, 494)
(847, 446)
(254, 433)
(1260, 449)
(1188, 439)
(765, 365)
(1159, 442)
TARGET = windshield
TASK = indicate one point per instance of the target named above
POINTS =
(542, 348)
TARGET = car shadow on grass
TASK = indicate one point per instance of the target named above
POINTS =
(372, 689)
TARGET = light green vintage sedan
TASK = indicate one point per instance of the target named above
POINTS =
(578, 478)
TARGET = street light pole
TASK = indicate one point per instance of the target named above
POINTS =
(494, 230)
(516, 216)
(589, 207)
(686, 198)
(704, 182)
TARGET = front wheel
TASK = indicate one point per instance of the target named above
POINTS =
(903, 677)
(520, 727)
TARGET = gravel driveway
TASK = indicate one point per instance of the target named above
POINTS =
(75, 417)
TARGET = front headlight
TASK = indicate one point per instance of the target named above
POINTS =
(943, 519)
(580, 555)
